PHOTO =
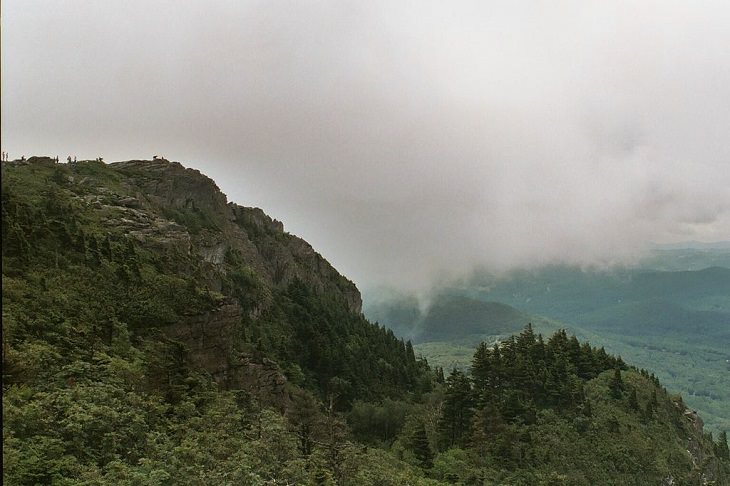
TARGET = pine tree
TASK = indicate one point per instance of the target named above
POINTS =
(80, 241)
(106, 248)
(323, 477)
(616, 384)
(480, 369)
(523, 373)
(94, 252)
(131, 259)
(654, 401)
(587, 409)
(602, 359)
(304, 418)
(440, 375)
(457, 408)
(537, 352)
(633, 401)
(557, 382)
(421, 447)
(496, 373)
(512, 405)
(411, 356)
(586, 363)
(486, 428)
(574, 352)
(648, 414)
(526, 339)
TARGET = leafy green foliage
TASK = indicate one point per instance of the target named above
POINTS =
(561, 411)
(95, 389)
(674, 322)
(116, 371)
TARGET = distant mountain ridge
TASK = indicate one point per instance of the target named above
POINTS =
(459, 319)
(686, 258)
(673, 322)
(694, 245)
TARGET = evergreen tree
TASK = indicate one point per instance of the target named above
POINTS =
(457, 408)
(648, 413)
(421, 447)
(94, 251)
(633, 401)
(305, 419)
(410, 355)
(106, 248)
(496, 371)
(557, 380)
(440, 375)
(574, 354)
(654, 401)
(586, 363)
(616, 384)
(526, 339)
(586, 408)
(486, 428)
(480, 369)
(323, 477)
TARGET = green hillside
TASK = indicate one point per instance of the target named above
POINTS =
(456, 319)
(658, 317)
(561, 412)
(568, 294)
(688, 256)
(467, 320)
(674, 323)
(453, 326)
(156, 334)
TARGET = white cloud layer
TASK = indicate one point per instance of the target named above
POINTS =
(407, 141)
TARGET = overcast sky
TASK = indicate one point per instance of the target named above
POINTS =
(407, 141)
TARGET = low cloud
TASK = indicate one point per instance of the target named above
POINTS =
(408, 143)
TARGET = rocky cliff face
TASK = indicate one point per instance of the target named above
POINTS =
(160, 254)
(241, 257)
(208, 338)
(172, 209)
(185, 209)
(706, 464)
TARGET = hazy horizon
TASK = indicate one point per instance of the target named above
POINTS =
(409, 144)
